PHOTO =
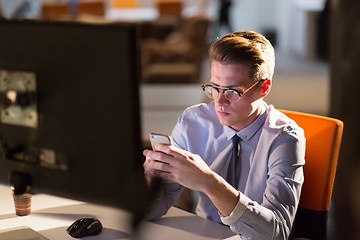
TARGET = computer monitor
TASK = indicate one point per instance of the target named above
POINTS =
(70, 119)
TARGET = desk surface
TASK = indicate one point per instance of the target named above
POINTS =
(52, 215)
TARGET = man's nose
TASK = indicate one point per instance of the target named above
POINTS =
(221, 99)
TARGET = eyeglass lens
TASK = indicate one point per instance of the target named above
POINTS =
(213, 92)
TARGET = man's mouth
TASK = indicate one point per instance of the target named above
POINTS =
(223, 112)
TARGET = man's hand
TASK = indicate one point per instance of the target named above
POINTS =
(176, 165)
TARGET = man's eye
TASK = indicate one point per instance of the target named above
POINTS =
(232, 90)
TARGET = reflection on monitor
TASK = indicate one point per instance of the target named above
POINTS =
(70, 123)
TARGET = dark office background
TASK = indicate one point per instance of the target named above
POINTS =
(345, 104)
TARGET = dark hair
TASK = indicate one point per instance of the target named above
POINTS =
(246, 47)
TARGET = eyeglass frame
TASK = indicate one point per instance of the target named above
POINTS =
(218, 89)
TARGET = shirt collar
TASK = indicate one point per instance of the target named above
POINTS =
(247, 133)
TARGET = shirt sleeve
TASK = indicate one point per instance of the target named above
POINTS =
(273, 217)
(158, 207)
(238, 211)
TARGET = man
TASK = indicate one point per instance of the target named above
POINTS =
(258, 197)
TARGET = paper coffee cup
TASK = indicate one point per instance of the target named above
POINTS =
(22, 204)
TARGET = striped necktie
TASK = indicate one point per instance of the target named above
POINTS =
(233, 165)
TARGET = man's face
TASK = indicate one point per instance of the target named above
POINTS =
(242, 113)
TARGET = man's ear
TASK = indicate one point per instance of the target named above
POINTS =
(266, 87)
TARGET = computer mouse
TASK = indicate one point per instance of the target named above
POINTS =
(84, 227)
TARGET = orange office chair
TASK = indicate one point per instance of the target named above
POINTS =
(169, 7)
(55, 10)
(323, 137)
(91, 7)
(124, 4)
(62, 11)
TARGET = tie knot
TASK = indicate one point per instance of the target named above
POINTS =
(235, 140)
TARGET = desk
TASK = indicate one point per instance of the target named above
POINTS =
(52, 215)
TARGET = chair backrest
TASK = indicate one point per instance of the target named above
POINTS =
(169, 7)
(55, 10)
(323, 138)
(124, 4)
(62, 10)
(91, 7)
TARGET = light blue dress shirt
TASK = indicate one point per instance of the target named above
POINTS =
(272, 155)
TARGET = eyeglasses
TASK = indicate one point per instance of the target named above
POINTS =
(232, 95)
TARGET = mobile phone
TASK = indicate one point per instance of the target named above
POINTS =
(157, 138)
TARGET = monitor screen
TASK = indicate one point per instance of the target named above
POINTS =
(70, 119)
